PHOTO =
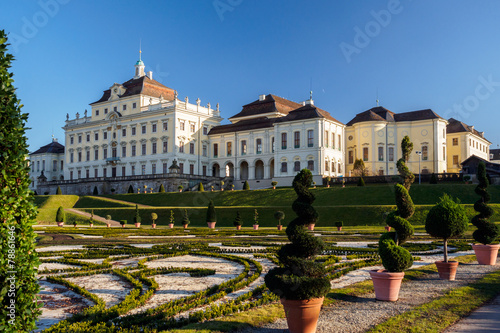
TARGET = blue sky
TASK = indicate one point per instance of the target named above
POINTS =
(442, 55)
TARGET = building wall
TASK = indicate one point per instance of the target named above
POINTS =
(462, 145)
(52, 166)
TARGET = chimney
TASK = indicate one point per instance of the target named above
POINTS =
(262, 97)
(150, 74)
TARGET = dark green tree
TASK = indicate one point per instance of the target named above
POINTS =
(394, 257)
(60, 215)
(18, 213)
(161, 190)
(237, 220)
(137, 216)
(361, 181)
(486, 232)
(246, 186)
(200, 187)
(58, 191)
(95, 192)
(130, 189)
(359, 168)
(434, 179)
(299, 277)
(185, 218)
(211, 216)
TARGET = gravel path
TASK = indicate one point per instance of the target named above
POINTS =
(363, 313)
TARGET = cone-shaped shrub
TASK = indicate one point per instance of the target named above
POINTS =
(185, 218)
(211, 217)
(200, 187)
(96, 192)
(447, 219)
(59, 191)
(299, 277)
(434, 179)
(60, 215)
(130, 189)
(172, 218)
(395, 258)
(237, 221)
(162, 189)
(361, 181)
(486, 232)
(137, 217)
(246, 186)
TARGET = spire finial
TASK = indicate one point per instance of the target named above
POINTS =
(310, 94)
(377, 97)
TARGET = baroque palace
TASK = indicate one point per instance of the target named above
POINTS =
(139, 134)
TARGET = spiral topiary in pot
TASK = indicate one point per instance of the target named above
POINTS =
(299, 277)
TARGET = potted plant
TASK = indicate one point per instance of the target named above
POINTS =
(137, 217)
(314, 184)
(255, 220)
(123, 222)
(279, 215)
(339, 225)
(154, 217)
(387, 228)
(466, 179)
(274, 183)
(237, 221)
(180, 187)
(487, 232)
(246, 186)
(232, 187)
(91, 221)
(200, 187)
(299, 281)
(328, 179)
(74, 223)
(60, 216)
(145, 189)
(185, 219)
(172, 219)
(222, 185)
(211, 188)
(108, 218)
(447, 219)
(396, 259)
(211, 216)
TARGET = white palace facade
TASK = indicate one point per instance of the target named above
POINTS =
(139, 134)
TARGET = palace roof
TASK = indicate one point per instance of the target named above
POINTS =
(380, 113)
(52, 148)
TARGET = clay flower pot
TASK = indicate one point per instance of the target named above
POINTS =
(185, 226)
(74, 225)
(108, 225)
(91, 225)
(311, 226)
(387, 228)
(339, 228)
(60, 224)
(153, 225)
(447, 270)
(211, 225)
(302, 316)
(486, 254)
(255, 227)
(280, 227)
(238, 227)
(171, 225)
(123, 225)
(137, 225)
(386, 284)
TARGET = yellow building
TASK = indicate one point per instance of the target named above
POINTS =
(464, 141)
(375, 137)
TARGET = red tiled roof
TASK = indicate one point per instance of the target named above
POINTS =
(307, 111)
(380, 113)
(456, 126)
(270, 104)
(143, 85)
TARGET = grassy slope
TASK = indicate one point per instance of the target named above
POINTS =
(48, 205)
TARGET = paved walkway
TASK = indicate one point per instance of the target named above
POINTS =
(484, 319)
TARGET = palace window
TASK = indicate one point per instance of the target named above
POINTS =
(192, 128)
(351, 157)
(79, 159)
(455, 141)
(391, 154)
(284, 167)
(381, 154)
(124, 151)
(229, 149)
(133, 150)
(283, 140)
(326, 138)
(243, 147)
(296, 166)
(153, 148)
(181, 147)
(258, 144)
(124, 132)
(216, 150)
(143, 129)
(340, 142)
(204, 149)
(165, 146)
(143, 149)
(333, 140)
(205, 130)
(153, 128)
(165, 126)
(310, 165)
(96, 154)
(296, 139)
(333, 167)
(134, 105)
(191, 148)
(133, 130)
(455, 159)
(365, 154)
(105, 135)
(425, 153)
(310, 138)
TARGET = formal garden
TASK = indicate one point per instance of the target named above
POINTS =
(227, 261)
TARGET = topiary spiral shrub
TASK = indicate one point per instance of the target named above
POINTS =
(299, 277)
(394, 257)
(486, 232)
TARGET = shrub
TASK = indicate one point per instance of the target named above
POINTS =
(274, 183)
(434, 179)
(180, 187)
(108, 218)
(279, 215)
(123, 222)
(201, 188)
(130, 189)
(300, 277)
(60, 215)
(95, 192)
(58, 191)
(185, 218)
(447, 219)
(486, 232)
(361, 181)
(237, 220)
(211, 216)
(246, 186)
(154, 217)
(255, 217)
(466, 178)
(339, 224)
(137, 217)
(162, 189)
(91, 221)
(394, 257)
(172, 218)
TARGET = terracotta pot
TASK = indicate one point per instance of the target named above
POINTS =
(387, 228)
(447, 270)
(108, 225)
(171, 225)
(153, 225)
(185, 226)
(386, 284)
(255, 227)
(211, 225)
(74, 225)
(238, 227)
(280, 227)
(339, 228)
(486, 254)
(137, 225)
(302, 316)
(60, 224)
(327, 186)
(91, 225)
(123, 225)
(311, 226)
